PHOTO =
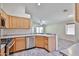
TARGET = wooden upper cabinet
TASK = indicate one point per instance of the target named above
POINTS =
(19, 22)
(77, 12)
(14, 21)
(4, 15)
(26, 23)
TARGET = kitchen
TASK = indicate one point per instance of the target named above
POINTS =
(23, 26)
(16, 35)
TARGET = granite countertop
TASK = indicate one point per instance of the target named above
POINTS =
(2, 46)
(24, 35)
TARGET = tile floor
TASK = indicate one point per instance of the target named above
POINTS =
(62, 44)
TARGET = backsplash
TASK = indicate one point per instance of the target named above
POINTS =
(15, 31)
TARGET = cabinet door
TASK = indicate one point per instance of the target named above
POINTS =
(77, 12)
(39, 41)
(26, 23)
(12, 22)
(5, 17)
(20, 43)
(19, 22)
(7, 22)
(46, 42)
(13, 47)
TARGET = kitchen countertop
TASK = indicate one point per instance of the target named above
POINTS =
(23, 35)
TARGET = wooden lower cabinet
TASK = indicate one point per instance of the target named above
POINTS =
(41, 41)
(19, 43)
(12, 49)
(48, 43)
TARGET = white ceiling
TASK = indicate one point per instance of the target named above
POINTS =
(49, 12)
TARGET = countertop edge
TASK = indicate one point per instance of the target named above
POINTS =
(12, 36)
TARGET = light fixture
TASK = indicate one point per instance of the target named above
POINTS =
(42, 22)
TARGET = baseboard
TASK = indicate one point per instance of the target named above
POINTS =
(30, 48)
(68, 40)
(17, 51)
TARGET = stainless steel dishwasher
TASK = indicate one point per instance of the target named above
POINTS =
(30, 42)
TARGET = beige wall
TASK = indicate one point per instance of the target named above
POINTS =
(59, 29)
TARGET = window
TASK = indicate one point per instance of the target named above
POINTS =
(70, 29)
(39, 29)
